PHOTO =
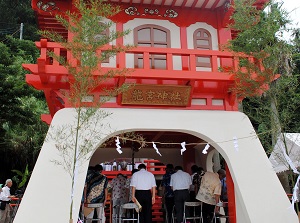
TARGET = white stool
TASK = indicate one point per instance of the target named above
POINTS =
(194, 216)
(101, 215)
(216, 216)
(132, 207)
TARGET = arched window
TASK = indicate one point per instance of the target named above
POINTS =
(202, 41)
(152, 36)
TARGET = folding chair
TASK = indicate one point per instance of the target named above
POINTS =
(220, 216)
(193, 214)
(101, 215)
(131, 207)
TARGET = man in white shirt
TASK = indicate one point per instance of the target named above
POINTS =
(5, 199)
(143, 190)
(180, 184)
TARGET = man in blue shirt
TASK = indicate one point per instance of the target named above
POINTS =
(224, 196)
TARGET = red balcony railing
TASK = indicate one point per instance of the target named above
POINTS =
(188, 70)
(207, 84)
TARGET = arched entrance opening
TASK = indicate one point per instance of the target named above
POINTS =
(170, 150)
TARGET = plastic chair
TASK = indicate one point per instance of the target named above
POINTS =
(116, 209)
(101, 214)
(193, 216)
(220, 216)
(129, 207)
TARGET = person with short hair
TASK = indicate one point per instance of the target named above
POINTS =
(127, 185)
(224, 196)
(197, 180)
(209, 194)
(95, 190)
(194, 170)
(5, 198)
(143, 190)
(168, 193)
(119, 194)
(180, 184)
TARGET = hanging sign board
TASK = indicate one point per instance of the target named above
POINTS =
(146, 94)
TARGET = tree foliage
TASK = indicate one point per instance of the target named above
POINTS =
(12, 14)
(272, 103)
(259, 36)
(21, 130)
(296, 51)
(285, 96)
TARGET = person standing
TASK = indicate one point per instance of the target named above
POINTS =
(209, 193)
(127, 186)
(95, 191)
(180, 184)
(119, 194)
(168, 193)
(143, 190)
(194, 170)
(5, 198)
(197, 180)
(224, 196)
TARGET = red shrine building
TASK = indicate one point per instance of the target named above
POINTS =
(180, 95)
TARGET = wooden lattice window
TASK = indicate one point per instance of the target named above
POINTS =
(202, 41)
(101, 35)
(152, 36)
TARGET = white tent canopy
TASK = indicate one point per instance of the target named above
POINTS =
(292, 149)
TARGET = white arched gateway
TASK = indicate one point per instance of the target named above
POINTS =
(259, 197)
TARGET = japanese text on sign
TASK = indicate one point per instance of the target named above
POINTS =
(157, 95)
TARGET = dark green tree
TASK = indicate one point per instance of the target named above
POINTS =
(21, 130)
(296, 51)
(12, 14)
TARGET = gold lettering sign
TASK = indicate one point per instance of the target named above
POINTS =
(146, 94)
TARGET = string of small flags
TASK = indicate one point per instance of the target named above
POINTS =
(118, 145)
(154, 146)
(206, 148)
(183, 145)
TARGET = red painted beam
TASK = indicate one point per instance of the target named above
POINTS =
(183, 3)
(204, 4)
(231, 197)
(35, 81)
(145, 73)
(215, 4)
(47, 118)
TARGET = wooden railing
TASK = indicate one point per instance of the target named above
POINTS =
(220, 62)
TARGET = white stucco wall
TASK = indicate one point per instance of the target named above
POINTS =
(174, 37)
(260, 197)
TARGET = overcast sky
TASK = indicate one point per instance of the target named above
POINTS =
(293, 7)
